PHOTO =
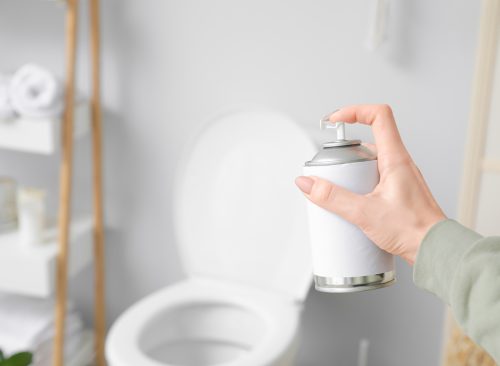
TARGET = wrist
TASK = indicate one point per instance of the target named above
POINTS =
(421, 232)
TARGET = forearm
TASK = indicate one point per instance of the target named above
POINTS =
(463, 269)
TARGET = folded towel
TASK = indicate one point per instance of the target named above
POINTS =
(35, 92)
(27, 323)
(6, 109)
(78, 351)
(43, 354)
(85, 353)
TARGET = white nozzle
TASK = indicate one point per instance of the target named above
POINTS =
(340, 130)
(339, 126)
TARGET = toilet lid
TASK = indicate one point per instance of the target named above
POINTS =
(238, 213)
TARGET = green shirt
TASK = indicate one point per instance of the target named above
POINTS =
(463, 269)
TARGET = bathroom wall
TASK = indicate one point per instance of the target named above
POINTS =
(169, 66)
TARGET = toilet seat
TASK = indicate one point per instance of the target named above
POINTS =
(238, 216)
(280, 319)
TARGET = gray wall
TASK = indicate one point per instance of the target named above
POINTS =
(168, 66)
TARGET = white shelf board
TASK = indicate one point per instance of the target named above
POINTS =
(31, 271)
(41, 135)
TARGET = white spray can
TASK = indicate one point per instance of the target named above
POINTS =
(344, 259)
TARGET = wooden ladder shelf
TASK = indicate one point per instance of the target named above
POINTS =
(66, 170)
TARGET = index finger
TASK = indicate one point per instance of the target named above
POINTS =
(381, 119)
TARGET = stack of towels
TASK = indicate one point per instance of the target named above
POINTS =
(27, 324)
(32, 92)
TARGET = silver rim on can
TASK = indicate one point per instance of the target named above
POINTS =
(354, 284)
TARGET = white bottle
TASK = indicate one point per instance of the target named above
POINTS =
(31, 213)
(344, 259)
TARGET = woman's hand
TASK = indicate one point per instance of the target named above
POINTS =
(401, 209)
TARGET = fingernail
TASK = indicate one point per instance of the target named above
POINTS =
(305, 184)
(326, 117)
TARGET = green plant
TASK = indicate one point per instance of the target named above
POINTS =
(17, 359)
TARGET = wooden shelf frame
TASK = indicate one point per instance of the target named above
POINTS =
(66, 172)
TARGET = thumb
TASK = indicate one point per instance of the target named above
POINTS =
(331, 197)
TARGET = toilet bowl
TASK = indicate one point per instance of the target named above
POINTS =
(242, 236)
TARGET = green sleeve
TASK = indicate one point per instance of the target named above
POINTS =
(463, 269)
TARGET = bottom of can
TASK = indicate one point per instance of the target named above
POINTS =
(354, 284)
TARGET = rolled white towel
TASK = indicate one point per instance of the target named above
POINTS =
(35, 92)
(6, 109)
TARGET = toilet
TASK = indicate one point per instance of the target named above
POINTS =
(241, 229)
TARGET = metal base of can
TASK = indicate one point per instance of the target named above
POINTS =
(354, 284)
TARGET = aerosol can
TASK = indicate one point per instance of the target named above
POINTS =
(344, 259)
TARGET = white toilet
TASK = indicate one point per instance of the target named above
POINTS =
(241, 229)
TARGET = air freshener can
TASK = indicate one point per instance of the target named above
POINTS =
(344, 259)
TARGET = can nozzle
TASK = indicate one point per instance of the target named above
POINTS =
(339, 126)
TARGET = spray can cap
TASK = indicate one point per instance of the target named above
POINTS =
(340, 150)
(340, 140)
